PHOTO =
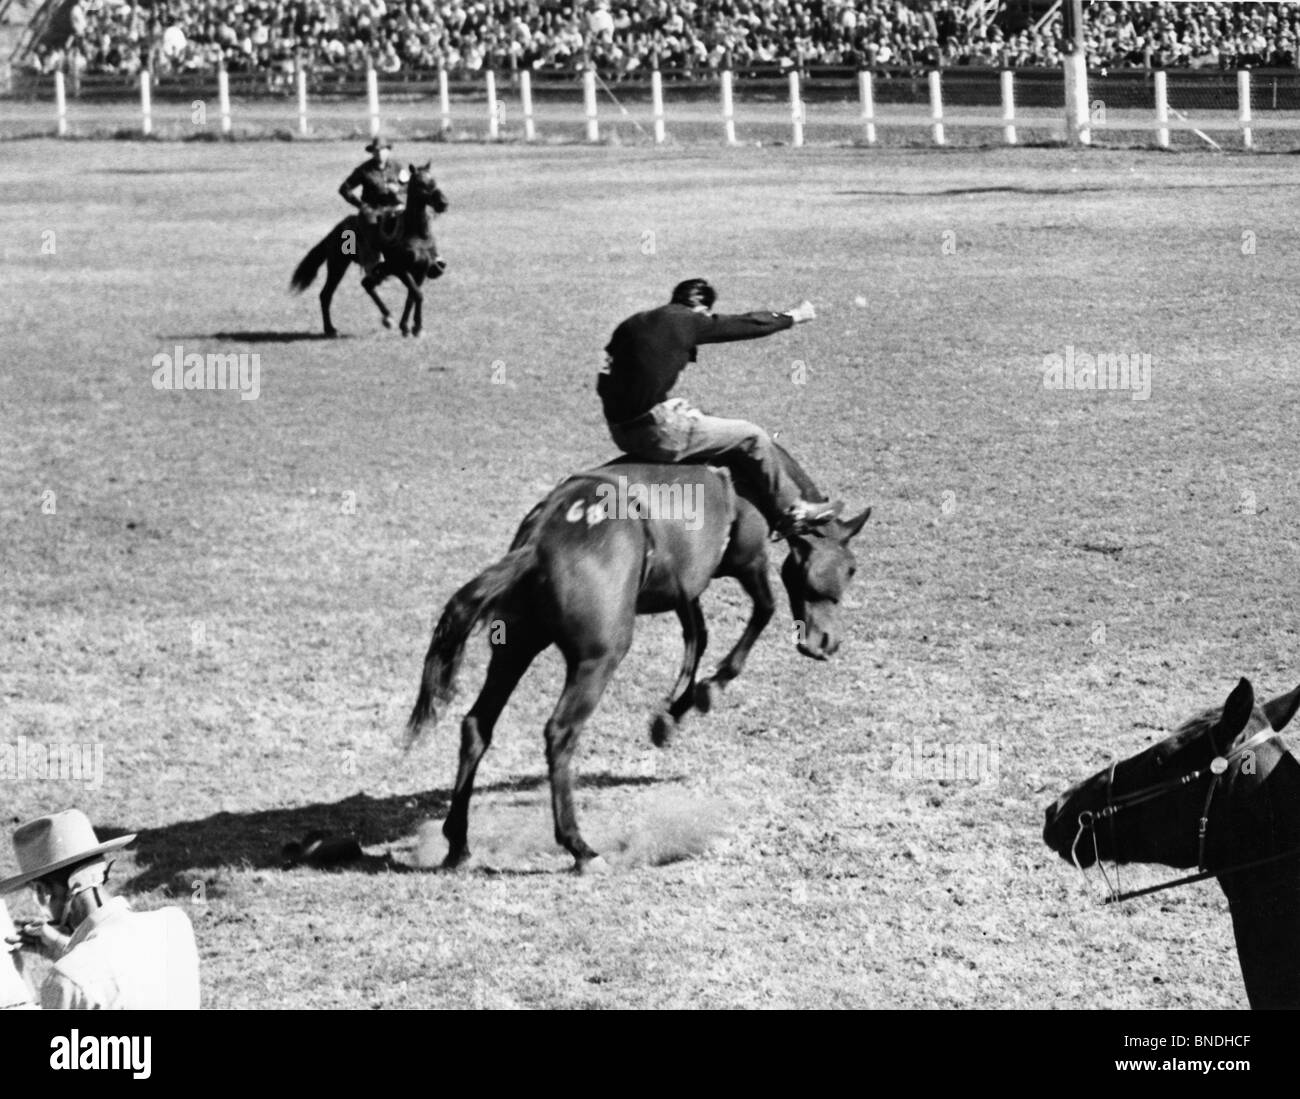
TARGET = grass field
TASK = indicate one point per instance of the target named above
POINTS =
(233, 597)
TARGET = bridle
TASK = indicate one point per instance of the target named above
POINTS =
(1118, 803)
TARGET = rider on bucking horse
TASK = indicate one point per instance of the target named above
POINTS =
(644, 358)
(382, 185)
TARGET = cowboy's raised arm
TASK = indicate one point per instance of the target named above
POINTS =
(723, 328)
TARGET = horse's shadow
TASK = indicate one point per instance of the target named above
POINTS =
(257, 336)
(256, 839)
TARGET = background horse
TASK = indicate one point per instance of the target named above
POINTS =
(1222, 794)
(578, 573)
(413, 256)
(408, 251)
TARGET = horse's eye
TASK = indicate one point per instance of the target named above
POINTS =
(853, 571)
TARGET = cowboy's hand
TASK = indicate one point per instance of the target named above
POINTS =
(803, 312)
(43, 938)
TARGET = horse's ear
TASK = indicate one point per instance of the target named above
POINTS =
(1282, 709)
(1236, 713)
(427, 165)
(855, 525)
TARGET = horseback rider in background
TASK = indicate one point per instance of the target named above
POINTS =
(644, 358)
(382, 185)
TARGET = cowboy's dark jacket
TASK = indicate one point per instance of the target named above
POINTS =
(649, 350)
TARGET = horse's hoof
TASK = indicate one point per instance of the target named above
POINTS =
(706, 694)
(387, 322)
(662, 728)
(331, 333)
(592, 866)
(405, 331)
(417, 333)
(453, 863)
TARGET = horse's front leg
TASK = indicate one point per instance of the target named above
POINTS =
(413, 295)
(757, 587)
(370, 284)
(418, 328)
(695, 636)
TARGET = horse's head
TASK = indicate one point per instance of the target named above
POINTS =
(422, 189)
(816, 573)
(1148, 807)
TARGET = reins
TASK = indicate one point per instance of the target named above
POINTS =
(1116, 804)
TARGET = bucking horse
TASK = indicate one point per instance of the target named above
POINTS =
(404, 237)
(625, 539)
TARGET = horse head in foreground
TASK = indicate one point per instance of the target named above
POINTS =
(605, 546)
(1221, 795)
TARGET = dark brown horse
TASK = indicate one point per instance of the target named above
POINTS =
(1221, 795)
(408, 249)
(605, 546)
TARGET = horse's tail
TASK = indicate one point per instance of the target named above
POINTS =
(469, 607)
(306, 270)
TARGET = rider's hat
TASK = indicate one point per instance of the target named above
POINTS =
(51, 843)
(377, 143)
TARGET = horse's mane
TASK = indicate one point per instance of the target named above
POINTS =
(796, 473)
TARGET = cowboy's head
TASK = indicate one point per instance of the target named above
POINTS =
(695, 294)
(63, 861)
(380, 150)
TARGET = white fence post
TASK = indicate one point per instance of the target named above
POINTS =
(301, 77)
(60, 104)
(444, 102)
(589, 102)
(796, 110)
(1075, 68)
(1243, 108)
(657, 104)
(867, 96)
(372, 97)
(146, 104)
(936, 106)
(1008, 107)
(223, 98)
(526, 98)
(728, 108)
(1162, 110)
(494, 122)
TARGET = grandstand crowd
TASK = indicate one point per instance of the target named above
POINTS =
(623, 36)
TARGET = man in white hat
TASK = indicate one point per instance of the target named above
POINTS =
(111, 957)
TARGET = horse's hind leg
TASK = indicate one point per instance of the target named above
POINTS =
(695, 636)
(509, 662)
(369, 283)
(759, 589)
(583, 687)
(338, 265)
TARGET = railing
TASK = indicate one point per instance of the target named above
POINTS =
(1123, 100)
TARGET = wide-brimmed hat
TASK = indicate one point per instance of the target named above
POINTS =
(377, 143)
(47, 844)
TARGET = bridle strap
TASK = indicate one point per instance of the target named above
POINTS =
(1202, 875)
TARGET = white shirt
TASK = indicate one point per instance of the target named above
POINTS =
(122, 959)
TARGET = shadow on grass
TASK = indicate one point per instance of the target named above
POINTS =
(256, 839)
(259, 336)
(1004, 190)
